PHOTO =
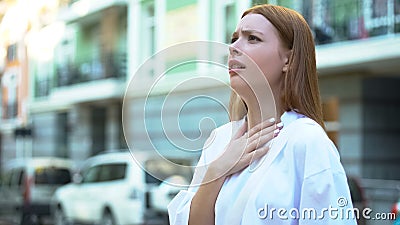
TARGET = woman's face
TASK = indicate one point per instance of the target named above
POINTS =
(256, 56)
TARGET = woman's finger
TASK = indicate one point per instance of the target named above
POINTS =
(254, 155)
(261, 126)
(262, 140)
(265, 131)
(260, 152)
(242, 130)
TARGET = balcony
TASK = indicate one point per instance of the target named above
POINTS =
(343, 20)
(78, 9)
(355, 36)
(88, 80)
(112, 65)
(42, 87)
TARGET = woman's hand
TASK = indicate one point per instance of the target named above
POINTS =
(244, 148)
(238, 154)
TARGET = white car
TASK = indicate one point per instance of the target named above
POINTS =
(162, 195)
(115, 189)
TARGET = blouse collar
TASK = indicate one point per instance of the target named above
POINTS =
(286, 118)
(290, 116)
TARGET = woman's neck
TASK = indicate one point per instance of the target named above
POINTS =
(257, 113)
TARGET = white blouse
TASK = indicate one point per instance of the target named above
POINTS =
(299, 181)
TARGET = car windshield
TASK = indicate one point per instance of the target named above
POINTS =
(50, 175)
(105, 173)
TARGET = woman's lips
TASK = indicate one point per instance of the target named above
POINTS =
(236, 71)
(235, 67)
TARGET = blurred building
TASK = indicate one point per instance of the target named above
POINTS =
(75, 107)
(81, 62)
(14, 125)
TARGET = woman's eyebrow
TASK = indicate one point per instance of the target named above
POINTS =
(246, 31)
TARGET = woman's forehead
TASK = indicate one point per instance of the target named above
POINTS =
(254, 22)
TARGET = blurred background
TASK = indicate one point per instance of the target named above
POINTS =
(65, 65)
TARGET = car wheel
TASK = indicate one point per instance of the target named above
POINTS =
(107, 219)
(59, 217)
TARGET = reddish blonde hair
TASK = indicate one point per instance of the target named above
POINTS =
(300, 91)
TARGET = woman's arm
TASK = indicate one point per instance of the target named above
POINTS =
(203, 202)
(238, 154)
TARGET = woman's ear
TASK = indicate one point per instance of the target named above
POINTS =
(288, 54)
(285, 68)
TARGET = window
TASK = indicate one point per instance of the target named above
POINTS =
(62, 134)
(98, 128)
(17, 176)
(285, 3)
(52, 176)
(112, 172)
(306, 11)
(224, 25)
(42, 87)
(10, 93)
(147, 34)
(379, 8)
(91, 175)
(6, 181)
(64, 56)
(12, 53)
(260, 2)
(230, 20)
(43, 72)
(382, 16)
(336, 20)
(88, 58)
(21, 176)
(148, 29)
(397, 16)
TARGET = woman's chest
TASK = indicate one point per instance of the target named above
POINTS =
(258, 189)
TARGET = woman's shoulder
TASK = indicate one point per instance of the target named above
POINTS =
(312, 148)
(306, 130)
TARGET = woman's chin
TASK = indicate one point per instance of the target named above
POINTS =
(239, 87)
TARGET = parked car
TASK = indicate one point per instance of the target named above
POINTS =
(358, 197)
(162, 195)
(27, 186)
(114, 189)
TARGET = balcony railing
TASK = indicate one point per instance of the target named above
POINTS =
(42, 87)
(112, 65)
(341, 20)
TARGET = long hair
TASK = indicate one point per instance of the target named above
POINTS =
(300, 91)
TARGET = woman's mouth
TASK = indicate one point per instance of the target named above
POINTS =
(235, 67)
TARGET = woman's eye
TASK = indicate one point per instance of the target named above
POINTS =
(233, 40)
(254, 38)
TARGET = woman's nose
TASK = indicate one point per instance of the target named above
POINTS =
(233, 50)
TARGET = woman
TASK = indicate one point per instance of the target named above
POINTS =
(245, 178)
